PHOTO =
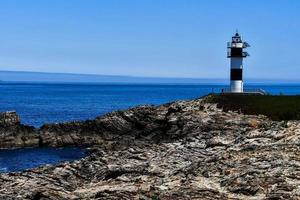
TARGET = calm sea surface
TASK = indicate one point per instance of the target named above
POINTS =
(22, 159)
(50, 103)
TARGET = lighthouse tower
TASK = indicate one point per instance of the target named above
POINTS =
(236, 54)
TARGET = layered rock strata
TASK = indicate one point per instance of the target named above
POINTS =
(182, 150)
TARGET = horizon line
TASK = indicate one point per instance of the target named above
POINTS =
(146, 77)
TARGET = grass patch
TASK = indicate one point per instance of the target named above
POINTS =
(275, 107)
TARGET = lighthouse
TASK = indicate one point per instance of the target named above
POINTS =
(236, 54)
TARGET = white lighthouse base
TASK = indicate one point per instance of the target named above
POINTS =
(236, 86)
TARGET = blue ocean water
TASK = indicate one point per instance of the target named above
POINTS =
(49, 103)
(20, 159)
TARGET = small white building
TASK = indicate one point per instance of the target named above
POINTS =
(236, 54)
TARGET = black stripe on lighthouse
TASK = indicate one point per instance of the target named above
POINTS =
(236, 74)
(236, 52)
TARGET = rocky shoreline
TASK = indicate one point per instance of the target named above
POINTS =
(182, 150)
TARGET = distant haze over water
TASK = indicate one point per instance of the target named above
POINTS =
(18, 76)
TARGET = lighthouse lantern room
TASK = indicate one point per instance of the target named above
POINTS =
(236, 54)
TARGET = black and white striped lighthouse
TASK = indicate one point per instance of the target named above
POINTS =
(236, 54)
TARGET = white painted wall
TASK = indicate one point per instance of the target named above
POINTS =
(237, 45)
(236, 86)
(236, 63)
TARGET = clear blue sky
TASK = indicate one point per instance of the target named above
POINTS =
(170, 38)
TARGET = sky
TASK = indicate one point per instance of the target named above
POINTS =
(153, 38)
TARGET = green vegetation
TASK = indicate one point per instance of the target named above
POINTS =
(275, 107)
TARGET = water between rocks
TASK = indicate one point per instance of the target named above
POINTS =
(17, 160)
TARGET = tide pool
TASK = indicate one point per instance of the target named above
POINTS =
(21, 159)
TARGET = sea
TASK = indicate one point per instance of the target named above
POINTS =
(42, 103)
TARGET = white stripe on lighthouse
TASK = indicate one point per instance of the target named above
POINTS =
(236, 86)
(236, 63)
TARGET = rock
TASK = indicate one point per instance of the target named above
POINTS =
(15, 135)
(9, 118)
(181, 150)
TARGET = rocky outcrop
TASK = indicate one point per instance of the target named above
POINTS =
(15, 135)
(9, 118)
(182, 150)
